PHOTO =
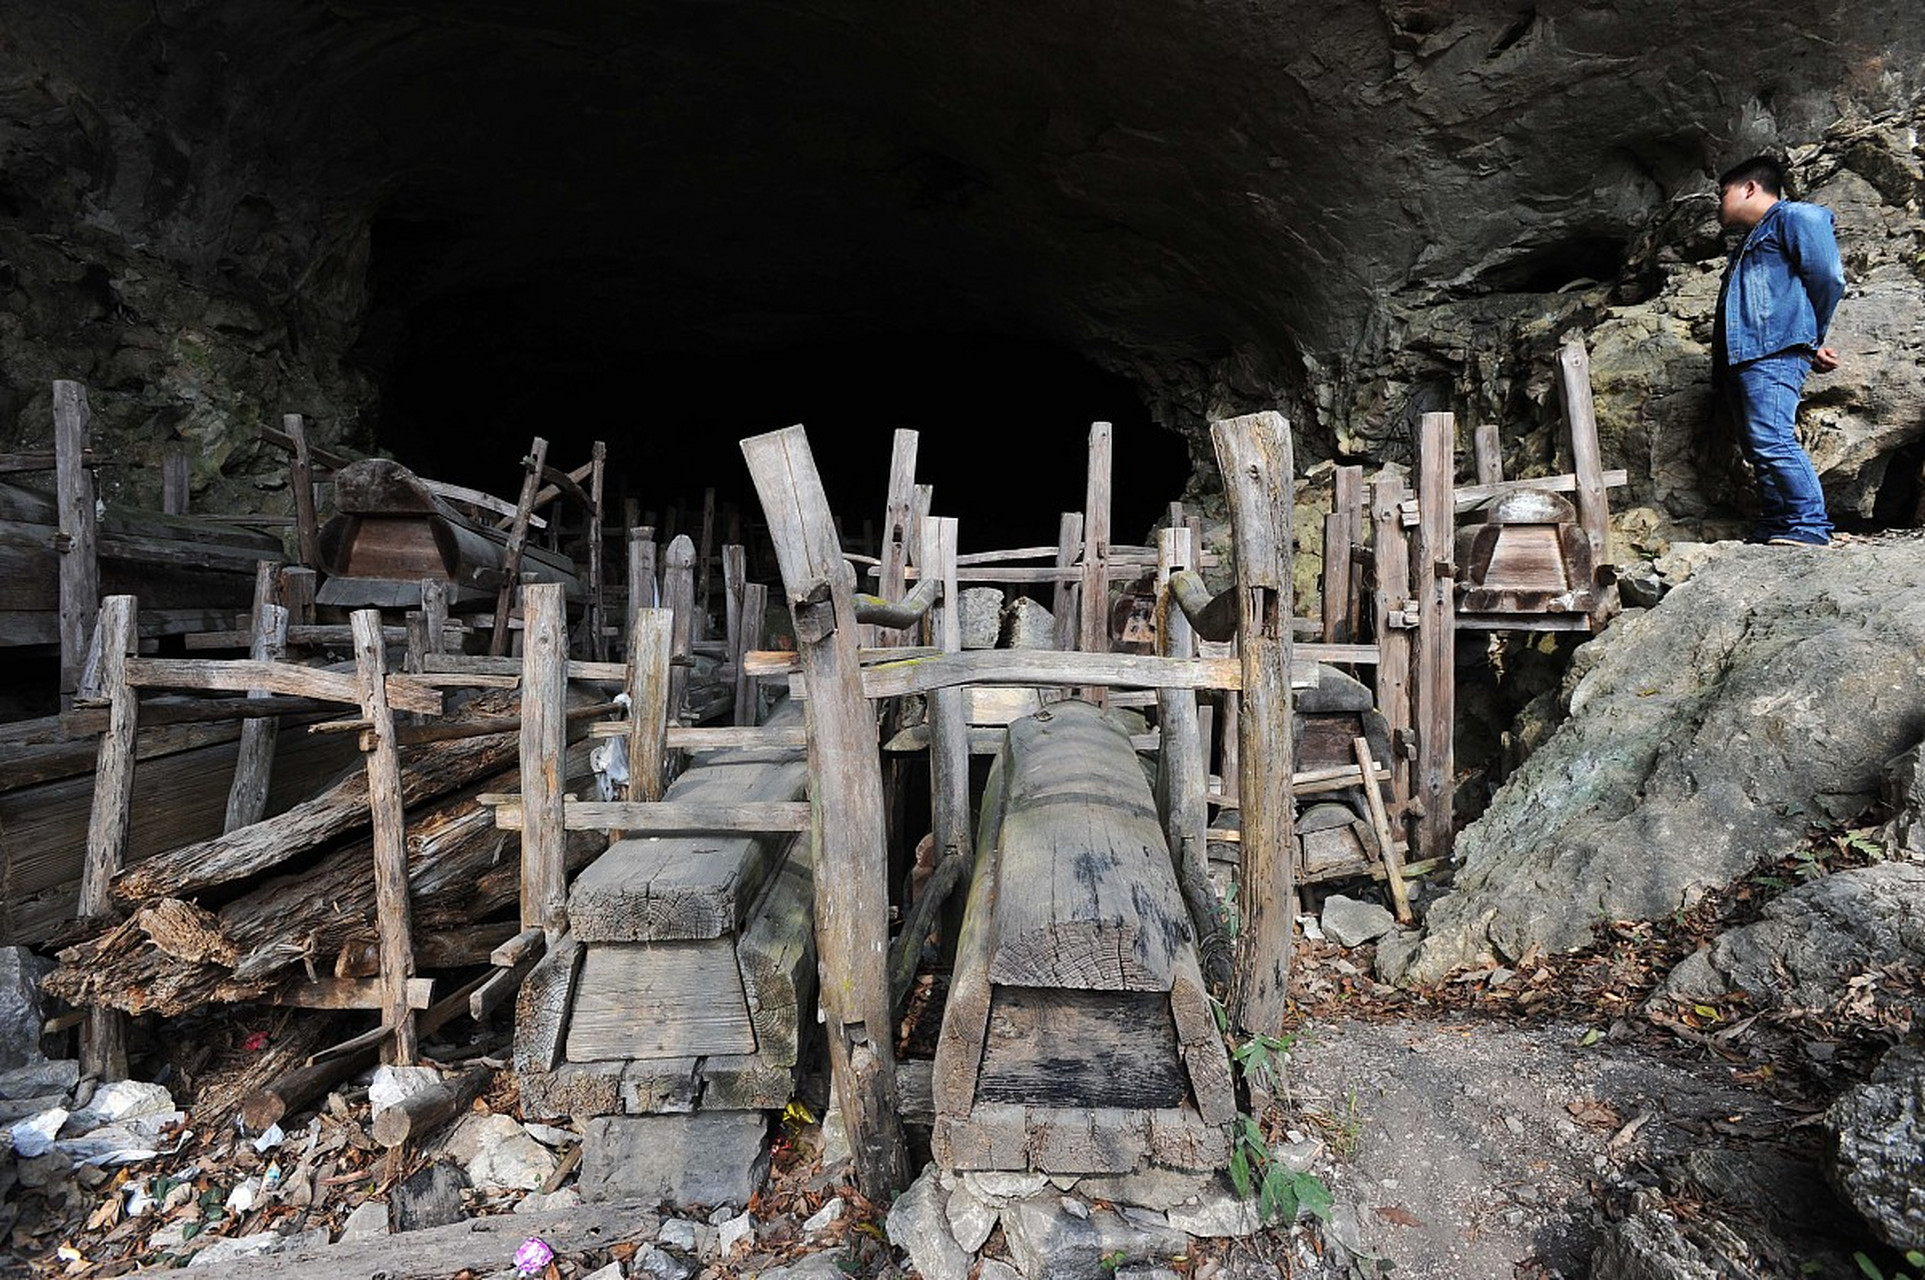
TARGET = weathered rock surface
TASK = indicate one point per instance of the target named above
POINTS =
(20, 1007)
(708, 1158)
(918, 1225)
(1704, 736)
(1878, 1147)
(1813, 941)
(1656, 1244)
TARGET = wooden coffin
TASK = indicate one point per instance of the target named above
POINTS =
(389, 532)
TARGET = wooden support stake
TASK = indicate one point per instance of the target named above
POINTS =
(175, 478)
(948, 727)
(1380, 824)
(703, 561)
(517, 539)
(1489, 452)
(297, 595)
(79, 567)
(650, 636)
(643, 589)
(1580, 419)
(1069, 545)
(678, 596)
(392, 912)
(755, 608)
(1348, 507)
(850, 860)
(254, 763)
(891, 583)
(544, 743)
(1093, 633)
(597, 605)
(434, 613)
(103, 1045)
(1183, 780)
(1392, 553)
(1254, 456)
(1436, 646)
(734, 578)
(300, 478)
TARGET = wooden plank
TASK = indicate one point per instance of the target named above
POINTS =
(175, 478)
(477, 499)
(541, 1007)
(891, 584)
(103, 1046)
(1093, 628)
(659, 1000)
(734, 579)
(663, 817)
(1434, 667)
(1254, 456)
(1041, 667)
(949, 729)
(1064, 604)
(849, 853)
(644, 592)
(300, 480)
(1580, 420)
(1348, 505)
(404, 693)
(965, 1016)
(393, 912)
(349, 993)
(1470, 495)
(76, 541)
(517, 540)
(776, 955)
(1386, 838)
(649, 637)
(297, 594)
(1391, 550)
(544, 741)
(1488, 449)
(1182, 766)
(253, 769)
(748, 690)
(703, 559)
(678, 596)
(1082, 1049)
(597, 574)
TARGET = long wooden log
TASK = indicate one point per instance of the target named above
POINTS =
(253, 769)
(394, 915)
(427, 772)
(544, 730)
(517, 540)
(79, 567)
(419, 1114)
(1435, 662)
(104, 1042)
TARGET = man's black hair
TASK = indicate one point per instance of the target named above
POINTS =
(1767, 171)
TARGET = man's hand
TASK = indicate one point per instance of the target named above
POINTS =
(1824, 360)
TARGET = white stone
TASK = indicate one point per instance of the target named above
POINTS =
(661, 1265)
(997, 1189)
(1350, 923)
(1221, 1213)
(1075, 1208)
(536, 1202)
(970, 1220)
(34, 1136)
(370, 1218)
(258, 1245)
(828, 1214)
(731, 1232)
(980, 616)
(121, 1101)
(500, 1156)
(678, 1233)
(917, 1226)
(613, 1271)
(550, 1135)
(1152, 1187)
(835, 1139)
(997, 1269)
(392, 1086)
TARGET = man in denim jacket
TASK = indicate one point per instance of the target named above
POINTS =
(1781, 285)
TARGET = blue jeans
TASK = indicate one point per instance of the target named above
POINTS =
(1763, 397)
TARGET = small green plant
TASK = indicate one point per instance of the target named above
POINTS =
(1861, 840)
(1111, 1261)
(1281, 1193)
(1872, 1271)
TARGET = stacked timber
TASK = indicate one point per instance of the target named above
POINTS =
(1336, 834)
(284, 909)
(682, 985)
(391, 531)
(1078, 1036)
(191, 574)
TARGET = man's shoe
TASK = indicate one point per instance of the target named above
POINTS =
(1797, 540)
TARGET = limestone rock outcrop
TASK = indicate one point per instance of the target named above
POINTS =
(1878, 1145)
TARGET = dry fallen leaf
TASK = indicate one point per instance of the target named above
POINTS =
(1399, 1215)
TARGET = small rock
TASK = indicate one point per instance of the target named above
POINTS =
(1075, 1208)
(430, 1198)
(1146, 1272)
(38, 1079)
(678, 1233)
(498, 1154)
(1152, 1187)
(33, 1137)
(830, 1212)
(731, 1232)
(370, 1218)
(997, 1190)
(1046, 1241)
(1221, 1213)
(661, 1265)
(981, 616)
(1028, 624)
(970, 1220)
(835, 1139)
(259, 1245)
(996, 1269)
(917, 1226)
(1299, 1156)
(613, 1271)
(536, 1202)
(1350, 923)
(392, 1086)
(550, 1135)
(20, 1010)
(816, 1266)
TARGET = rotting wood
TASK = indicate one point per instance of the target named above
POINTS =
(300, 479)
(544, 740)
(1434, 660)
(891, 584)
(103, 1045)
(650, 637)
(79, 563)
(404, 693)
(419, 1114)
(1183, 768)
(678, 596)
(1254, 456)
(517, 539)
(394, 918)
(849, 857)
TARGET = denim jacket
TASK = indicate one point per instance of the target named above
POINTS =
(1781, 284)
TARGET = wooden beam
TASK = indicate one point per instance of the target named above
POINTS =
(643, 590)
(849, 855)
(1467, 496)
(1487, 447)
(1580, 420)
(1064, 602)
(175, 478)
(649, 638)
(254, 765)
(703, 558)
(659, 817)
(79, 563)
(1392, 553)
(1433, 582)
(948, 728)
(678, 596)
(1182, 765)
(392, 910)
(1380, 826)
(404, 693)
(544, 742)
(1041, 667)
(300, 479)
(1093, 629)
(1254, 456)
(477, 499)
(597, 586)
(755, 608)
(891, 583)
(517, 540)
(103, 1045)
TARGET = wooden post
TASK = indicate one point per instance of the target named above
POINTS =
(851, 862)
(79, 568)
(1489, 451)
(544, 741)
(434, 613)
(1181, 769)
(300, 478)
(254, 763)
(643, 590)
(1063, 602)
(948, 726)
(678, 594)
(1433, 576)
(175, 478)
(1093, 635)
(1342, 575)
(517, 539)
(755, 608)
(703, 561)
(892, 581)
(734, 578)
(1254, 455)
(1580, 418)
(649, 639)
(392, 912)
(103, 1043)
(297, 594)
(1394, 621)
(597, 607)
